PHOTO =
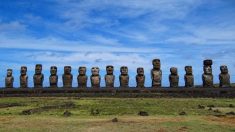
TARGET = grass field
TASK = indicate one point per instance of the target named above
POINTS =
(95, 114)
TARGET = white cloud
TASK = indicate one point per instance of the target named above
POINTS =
(55, 44)
(13, 27)
(206, 35)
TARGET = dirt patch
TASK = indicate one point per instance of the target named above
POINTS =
(224, 120)
(183, 129)
(46, 108)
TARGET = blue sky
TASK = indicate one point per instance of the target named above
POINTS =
(124, 32)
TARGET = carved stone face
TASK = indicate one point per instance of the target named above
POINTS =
(9, 72)
(67, 70)
(173, 71)
(109, 70)
(156, 64)
(207, 70)
(189, 70)
(53, 70)
(140, 71)
(82, 70)
(23, 70)
(38, 69)
(124, 70)
(224, 69)
(95, 71)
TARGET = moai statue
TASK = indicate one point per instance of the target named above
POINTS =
(109, 77)
(23, 77)
(174, 77)
(124, 77)
(156, 73)
(53, 77)
(82, 77)
(188, 77)
(67, 77)
(95, 77)
(38, 77)
(224, 77)
(9, 80)
(207, 76)
(140, 77)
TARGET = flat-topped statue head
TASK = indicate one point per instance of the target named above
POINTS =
(53, 70)
(174, 71)
(224, 69)
(82, 70)
(95, 71)
(67, 70)
(38, 69)
(124, 70)
(140, 71)
(156, 64)
(23, 70)
(109, 70)
(189, 70)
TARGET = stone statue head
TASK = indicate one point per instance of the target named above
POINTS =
(189, 70)
(38, 69)
(207, 70)
(173, 70)
(95, 71)
(82, 70)
(124, 70)
(224, 69)
(23, 70)
(9, 72)
(53, 70)
(140, 71)
(156, 64)
(67, 69)
(109, 69)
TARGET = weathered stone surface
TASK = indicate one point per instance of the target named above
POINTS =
(9, 80)
(67, 77)
(53, 77)
(38, 77)
(207, 76)
(174, 77)
(156, 73)
(224, 77)
(82, 77)
(124, 77)
(95, 77)
(140, 77)
(109, 77)
(23, 77)
(143, 113)
(188, 77)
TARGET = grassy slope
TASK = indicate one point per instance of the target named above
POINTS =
(163, 114)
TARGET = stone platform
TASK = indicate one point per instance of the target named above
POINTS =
(131, 92)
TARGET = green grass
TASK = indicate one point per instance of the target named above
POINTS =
(163, 114)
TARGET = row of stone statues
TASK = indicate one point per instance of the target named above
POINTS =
(156, 76)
